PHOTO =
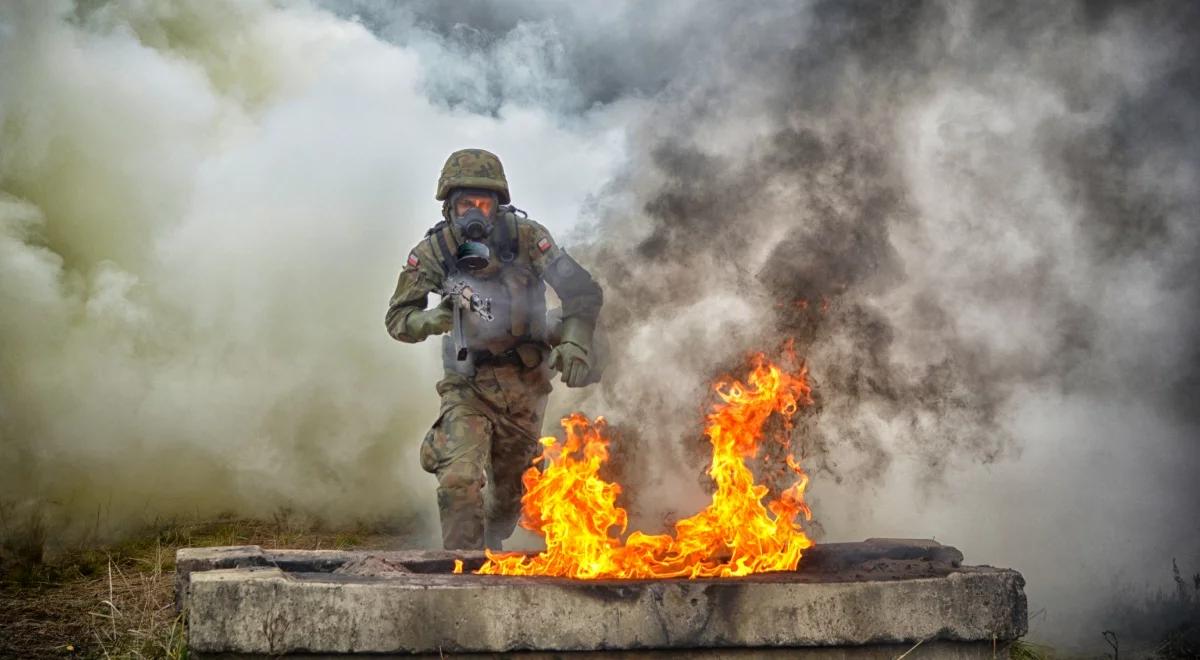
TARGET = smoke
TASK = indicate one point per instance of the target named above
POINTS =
(979, 226)
(977, 223)
(203, 210)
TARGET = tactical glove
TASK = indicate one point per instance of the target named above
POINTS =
(570, 357)
(433, 321)
(572, 361)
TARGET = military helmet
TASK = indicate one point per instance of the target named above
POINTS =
(473, 168)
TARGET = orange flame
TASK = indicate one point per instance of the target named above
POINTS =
(569, 504)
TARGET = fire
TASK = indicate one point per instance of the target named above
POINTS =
(569, 504)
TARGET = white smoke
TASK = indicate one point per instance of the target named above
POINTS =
(205, 209)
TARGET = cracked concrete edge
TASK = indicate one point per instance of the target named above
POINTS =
(822, 558)
(193, 560)
(190, 560)
(827, 557)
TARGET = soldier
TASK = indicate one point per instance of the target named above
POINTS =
(497, 371)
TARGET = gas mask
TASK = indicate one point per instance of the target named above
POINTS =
(475, 226)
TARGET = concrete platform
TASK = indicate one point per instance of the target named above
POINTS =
(872, 599)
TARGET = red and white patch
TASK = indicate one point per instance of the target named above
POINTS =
(544, 244)
(413, 261)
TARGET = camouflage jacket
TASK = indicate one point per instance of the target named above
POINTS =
(517, 286)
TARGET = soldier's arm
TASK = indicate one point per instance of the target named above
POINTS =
(581, 300)
(580, 294)
(406, 318)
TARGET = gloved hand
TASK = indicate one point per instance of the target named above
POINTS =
(570, 357)
(571, 360)
(433, 321)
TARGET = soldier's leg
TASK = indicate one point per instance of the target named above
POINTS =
(511, 456)
(456, 449)
(514, 447)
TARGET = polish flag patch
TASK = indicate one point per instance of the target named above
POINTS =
(413, 261)
(544, 244)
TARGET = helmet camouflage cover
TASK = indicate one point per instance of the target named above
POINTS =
(473, 168)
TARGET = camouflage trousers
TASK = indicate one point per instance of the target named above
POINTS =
(484, 439)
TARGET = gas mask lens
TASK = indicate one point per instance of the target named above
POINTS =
(482, 202)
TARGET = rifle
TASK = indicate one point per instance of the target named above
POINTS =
(462, 296)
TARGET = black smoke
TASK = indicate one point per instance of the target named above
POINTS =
(978, 222)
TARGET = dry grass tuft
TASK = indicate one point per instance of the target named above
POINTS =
(118, 601)
(1022, 650)
(127, 610)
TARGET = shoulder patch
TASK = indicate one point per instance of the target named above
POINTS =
(544, 244)
(413, 260)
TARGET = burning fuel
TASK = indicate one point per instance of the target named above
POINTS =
(569, 504)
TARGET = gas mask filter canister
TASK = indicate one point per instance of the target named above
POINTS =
(473, 256)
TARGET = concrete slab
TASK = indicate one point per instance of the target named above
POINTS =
(927, 651)
(864, 595)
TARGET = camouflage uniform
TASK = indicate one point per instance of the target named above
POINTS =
(492, 404)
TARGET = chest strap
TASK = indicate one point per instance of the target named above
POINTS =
(509, 239)
(449, 263)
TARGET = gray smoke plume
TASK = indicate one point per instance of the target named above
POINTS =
(977, 222)
(980, 227)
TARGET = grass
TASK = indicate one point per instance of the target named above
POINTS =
(117, 601)
(1164, 624)
(1022, 650)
